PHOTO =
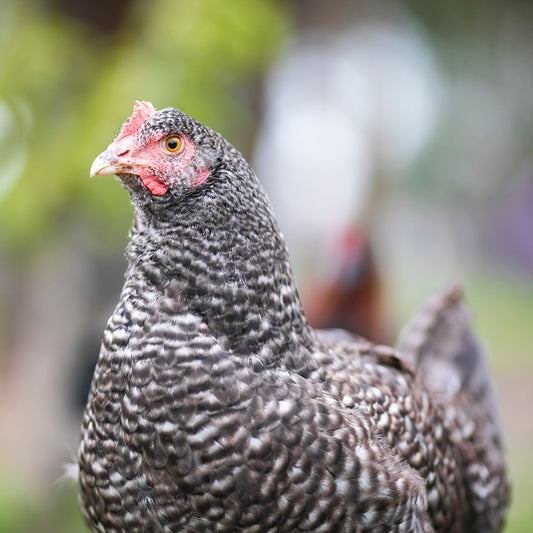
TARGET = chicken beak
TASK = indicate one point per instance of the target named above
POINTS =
(109, 163)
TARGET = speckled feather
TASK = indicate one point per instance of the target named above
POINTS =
(215, 407)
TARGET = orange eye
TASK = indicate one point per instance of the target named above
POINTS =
(173, 144)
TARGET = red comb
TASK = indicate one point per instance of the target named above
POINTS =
(141, 111)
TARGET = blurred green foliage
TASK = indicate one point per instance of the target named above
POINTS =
(67, 88)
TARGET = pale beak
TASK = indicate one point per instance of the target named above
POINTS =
(109, 163)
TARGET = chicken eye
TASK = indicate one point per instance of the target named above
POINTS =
(173, 144)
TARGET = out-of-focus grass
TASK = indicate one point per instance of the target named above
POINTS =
(503, 317)
(520, 516)
(14, 510)
(24, 510)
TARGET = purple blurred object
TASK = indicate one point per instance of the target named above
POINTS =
(510, 233)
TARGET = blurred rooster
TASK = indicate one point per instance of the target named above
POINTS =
(350, 296)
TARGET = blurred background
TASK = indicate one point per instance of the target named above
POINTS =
(395, 139)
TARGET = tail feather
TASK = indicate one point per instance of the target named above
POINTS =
(439, 342)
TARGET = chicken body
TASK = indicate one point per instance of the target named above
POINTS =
(215, 407)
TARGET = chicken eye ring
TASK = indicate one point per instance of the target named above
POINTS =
(173, 144)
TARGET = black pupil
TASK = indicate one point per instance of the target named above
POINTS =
(172, 144)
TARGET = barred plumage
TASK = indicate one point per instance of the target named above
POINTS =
(215, 407)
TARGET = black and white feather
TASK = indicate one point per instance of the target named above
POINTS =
(215, 407)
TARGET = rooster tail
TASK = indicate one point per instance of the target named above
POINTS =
(439, 342)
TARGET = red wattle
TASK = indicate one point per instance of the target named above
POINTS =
(154, 185)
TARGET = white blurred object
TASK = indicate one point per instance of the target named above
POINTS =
(340, 110)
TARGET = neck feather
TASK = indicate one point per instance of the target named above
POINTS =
(219, 254)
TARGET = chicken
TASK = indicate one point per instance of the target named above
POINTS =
(215, 407)
(350, 295)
